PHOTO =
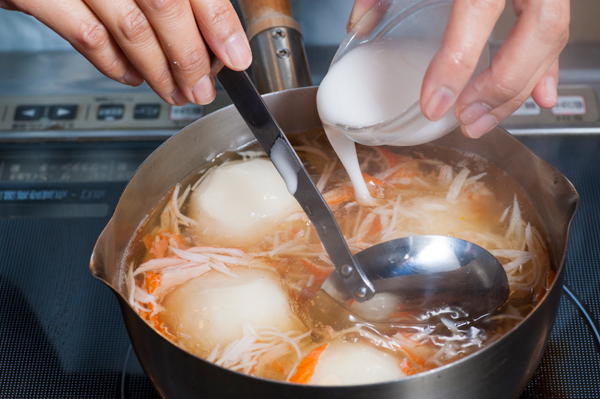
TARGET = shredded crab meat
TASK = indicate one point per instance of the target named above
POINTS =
(446, 174)
(258, 344)
(447, 194)
(183, 197)
(142, 296)
(200, 180)
(398, 211)
(171, 217)
(158, 264)
(201, 258)
(217, 250)
(188, 264)
(173, 278)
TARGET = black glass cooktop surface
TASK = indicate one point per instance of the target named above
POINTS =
(61, 332)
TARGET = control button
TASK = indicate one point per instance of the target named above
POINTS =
(110, 112)
(63, 112)
(146, 111)
(29, 112)
(528, 108)
(188, 112)
(570, 105)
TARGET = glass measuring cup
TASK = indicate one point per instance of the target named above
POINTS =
(371, 92)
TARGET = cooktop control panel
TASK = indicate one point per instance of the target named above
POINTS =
(577, 106)
(133, 113)
(93, 112)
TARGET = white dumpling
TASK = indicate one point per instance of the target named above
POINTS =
(355, 363)
(240, 201)
(211, 309)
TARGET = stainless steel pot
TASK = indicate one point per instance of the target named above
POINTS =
(501, 370)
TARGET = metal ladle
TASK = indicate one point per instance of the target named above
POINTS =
(415, 275)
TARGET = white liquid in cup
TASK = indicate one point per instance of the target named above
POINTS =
(373, 82)
(371, 96)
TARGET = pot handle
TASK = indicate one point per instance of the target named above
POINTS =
(276, 42)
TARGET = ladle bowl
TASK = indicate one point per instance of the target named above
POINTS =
(417, 278)
(424, 273)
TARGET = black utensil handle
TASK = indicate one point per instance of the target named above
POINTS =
(253, 110)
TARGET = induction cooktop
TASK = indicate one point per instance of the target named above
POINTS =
(62, 334)
(70, 142)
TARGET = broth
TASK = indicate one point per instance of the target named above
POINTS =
(178, 272)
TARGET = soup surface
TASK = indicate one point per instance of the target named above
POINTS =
(228, 267)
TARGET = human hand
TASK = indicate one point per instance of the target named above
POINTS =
(526, 63)
(163, 42)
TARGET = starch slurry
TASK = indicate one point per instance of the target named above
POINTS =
(371, 84)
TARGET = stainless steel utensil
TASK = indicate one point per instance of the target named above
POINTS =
(421, 274)
(417, 278)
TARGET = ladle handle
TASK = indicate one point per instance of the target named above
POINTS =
(253, 110)
(279, 60)
(259, 15)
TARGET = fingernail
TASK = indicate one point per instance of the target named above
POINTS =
(204, 90)
(349, 24)
(471, 113)
(179, 98)
(481, 126)
(238, 51)
(550, 89)
(351, 20)
(439, 104)
(133, 77)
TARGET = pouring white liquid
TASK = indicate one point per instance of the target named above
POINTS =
(371, 96)
(373, 82)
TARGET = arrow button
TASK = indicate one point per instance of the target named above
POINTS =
(29, 112)
(63, 112)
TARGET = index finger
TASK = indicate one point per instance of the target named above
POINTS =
(182, 43)
(223, 32)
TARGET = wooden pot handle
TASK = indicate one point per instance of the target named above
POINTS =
(260, 15)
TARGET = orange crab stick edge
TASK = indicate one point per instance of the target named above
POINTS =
(306, 368)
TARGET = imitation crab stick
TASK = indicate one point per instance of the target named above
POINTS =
(306, 368)
(321, 273)
(394, 159)
(371, 180)
(160, 327)
(376, 226)
(338, 195)
(158, 244)
(155, 321)
(341, 194)
(390, 157)
(152, 281)
(404, 342)
(406, 368)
